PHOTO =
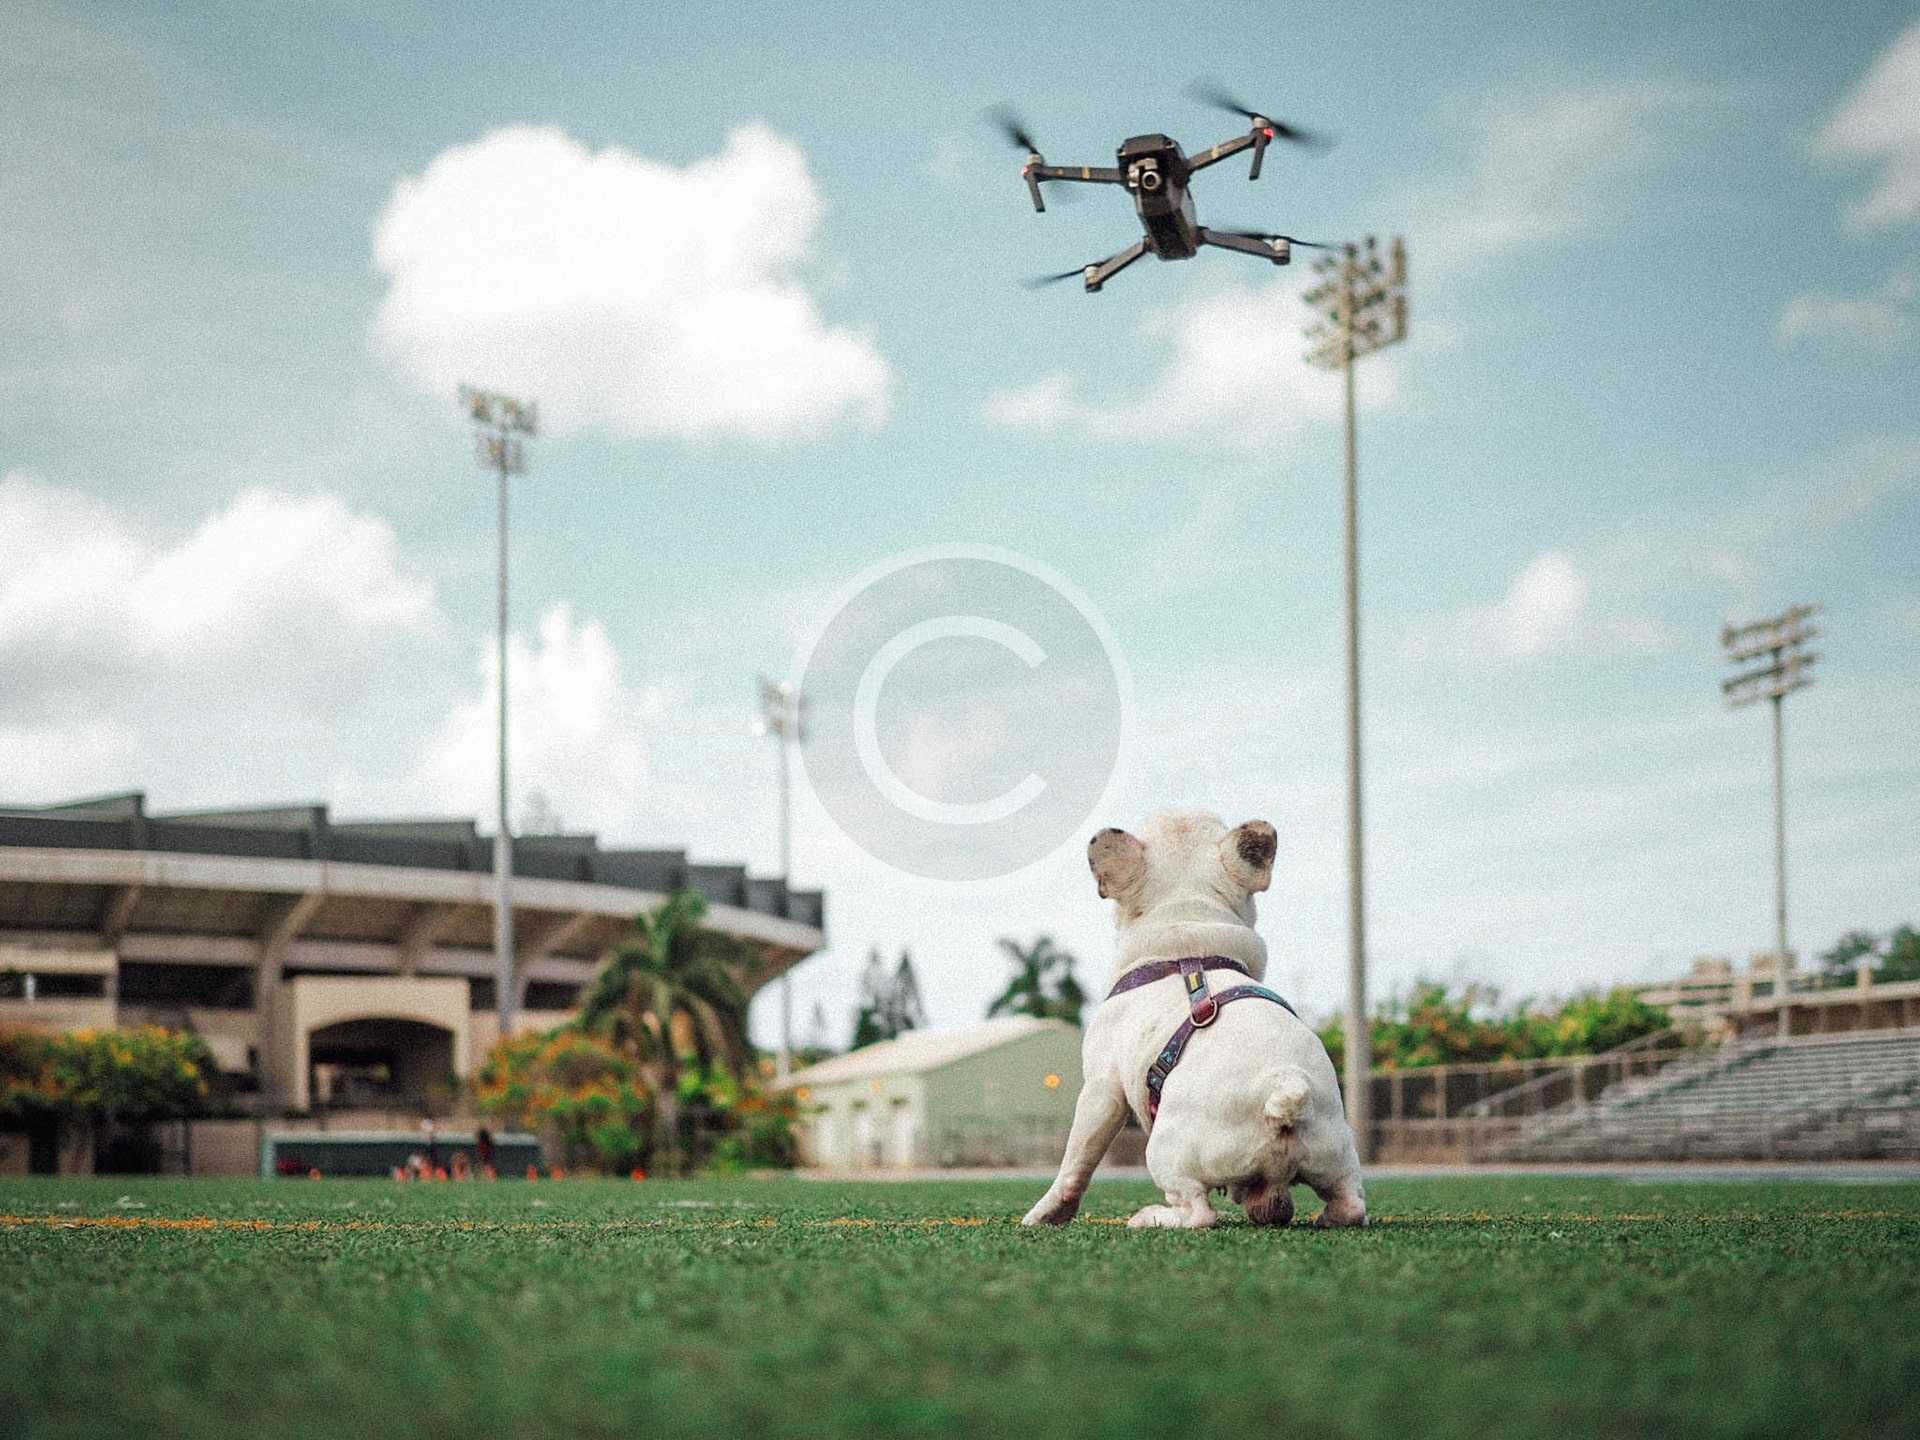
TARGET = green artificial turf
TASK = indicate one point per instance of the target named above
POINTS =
(1477, 1307)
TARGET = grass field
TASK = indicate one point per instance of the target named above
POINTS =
(1474, 1308)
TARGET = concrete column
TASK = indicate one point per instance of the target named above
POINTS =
(280, 1080)
(540, 939)
(423, 928)
(118, 910)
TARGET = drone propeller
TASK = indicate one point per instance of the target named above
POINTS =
(1004, 119)
(1211, 92)
(1034, 282)
(1007, 121)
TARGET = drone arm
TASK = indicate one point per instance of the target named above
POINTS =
(1277, 253)
(1037, 170)
(1091, 174)
(1111, 266)
(1033, 187)
(1226, 149)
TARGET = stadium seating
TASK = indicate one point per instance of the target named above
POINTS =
(1812, 1097)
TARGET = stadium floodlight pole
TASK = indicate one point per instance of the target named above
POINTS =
(1778, 643)
(499, 423)
(1363, 303)
(783, 712)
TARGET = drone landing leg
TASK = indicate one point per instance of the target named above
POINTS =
(1277, 253)
(1114, 264)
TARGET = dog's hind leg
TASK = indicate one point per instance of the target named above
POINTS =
(1187, 1208)
(1097, 1117)
(1346, 1200)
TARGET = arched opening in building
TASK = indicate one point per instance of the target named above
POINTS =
(378, 1064)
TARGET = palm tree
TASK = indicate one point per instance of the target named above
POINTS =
(1027, 993)
(670, 994)
(889, 1005)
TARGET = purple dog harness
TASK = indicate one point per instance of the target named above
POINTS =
(1202, 1007)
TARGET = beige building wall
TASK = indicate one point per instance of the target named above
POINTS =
(313, 1002)
(868, 1124)
(1008, 1105)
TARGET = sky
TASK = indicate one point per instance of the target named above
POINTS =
(759, 267)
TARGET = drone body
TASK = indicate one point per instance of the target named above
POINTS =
(1157, 172)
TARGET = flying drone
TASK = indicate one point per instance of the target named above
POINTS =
(1157, 171)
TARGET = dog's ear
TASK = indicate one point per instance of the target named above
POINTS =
(1118, 862)
(1247, 851)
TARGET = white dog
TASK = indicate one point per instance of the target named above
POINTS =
(1251, 1103)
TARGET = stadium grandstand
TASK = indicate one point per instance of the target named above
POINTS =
(331, 964)
(1819, 1070)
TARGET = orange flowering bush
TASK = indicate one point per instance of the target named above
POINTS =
(576, 1082)
(146, 1074)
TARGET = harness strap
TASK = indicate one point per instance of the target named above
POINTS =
(1200, 1004)
(1159, 970)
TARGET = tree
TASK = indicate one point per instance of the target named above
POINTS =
(1434, 1027)
(131, 1075)
(670, 1000)
(1840, 961)
(1590, 1024)
(889, 1004)
(1043, 984)
(577, 1082)
(1897, 959)
(95, 1079)
(1902, 961)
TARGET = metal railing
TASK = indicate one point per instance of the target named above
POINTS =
(1487, 1128)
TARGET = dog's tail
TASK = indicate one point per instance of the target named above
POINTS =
(1288, 1091)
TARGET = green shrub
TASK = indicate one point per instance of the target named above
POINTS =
(1433, 1027)
(123, 1075)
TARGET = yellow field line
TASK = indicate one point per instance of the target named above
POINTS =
(844, 1222)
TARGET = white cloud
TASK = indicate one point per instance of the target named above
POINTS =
(272, 586)
(576, 735)
(1542, 168)
(621, 291)
(1542, 606)
(1879, 124)
(250, 638)
(1233, 375)
(1879, 321)
(1547, 610)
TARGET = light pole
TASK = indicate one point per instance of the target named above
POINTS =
(499, 423)
(783, 711)
(1364, 305)
(1778, 643)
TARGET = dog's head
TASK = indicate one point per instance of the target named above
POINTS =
(1184, 865)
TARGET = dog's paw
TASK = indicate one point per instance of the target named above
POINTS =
(1053, 1210)
(1337, 1218)
(1156, 1217)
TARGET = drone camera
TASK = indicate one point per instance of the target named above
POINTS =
(1144, 175)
